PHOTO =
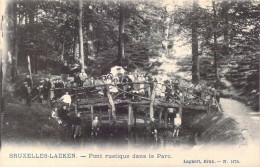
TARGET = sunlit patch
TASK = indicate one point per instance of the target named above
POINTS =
(256, 118)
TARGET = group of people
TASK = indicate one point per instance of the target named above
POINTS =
(64, 114)
(119, 82)
(177, 122)
(32, 93)
(126, 84)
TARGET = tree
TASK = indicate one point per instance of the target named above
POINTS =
(215, 42)
(6, 52)
(225, 6)
(15, 48)
(195, 46)
(75, 40)
(121, 39)
(32, 7)
(81, 45)
(167, 36)
(89, 35)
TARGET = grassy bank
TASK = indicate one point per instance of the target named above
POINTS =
(214, 128)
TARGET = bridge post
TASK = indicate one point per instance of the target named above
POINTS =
(182, 101)
(109, 115)
(160, 117)
(112, 104)
(166, 118)
(100, 116)
(209, 106)
(145, 119)
(130, 115)
(92, 112)
(152, 101)
(76, 100)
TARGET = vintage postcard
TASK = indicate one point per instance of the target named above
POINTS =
(171, 83)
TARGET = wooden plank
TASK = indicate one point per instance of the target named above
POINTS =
(109, 115)
(100, 116)
(92, 112)
(130, 115)
(166, 118)
(168, 105)
(115, 102)
(145, 119)
(112, 104)
(160, 117)
(182, 101)
(76, 102)
(152, 101)
(196, 107)
(165, 104)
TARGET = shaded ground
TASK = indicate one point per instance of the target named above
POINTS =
(34, 125)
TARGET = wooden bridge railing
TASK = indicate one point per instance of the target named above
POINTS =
(180, 97)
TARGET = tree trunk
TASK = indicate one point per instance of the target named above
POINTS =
(98, 47)
(46, 55)
(26, 19)
(91, 53)
(14, 73)
(36, 64)
(166, 29)
(195, 48)
(225, 20)
(81, 45)
(90, 42)
(6, 35)
(31, 24)
(225, 10)
(215, 44)
(121, 40)
(63, 50)
(75, 41)
(19, 20)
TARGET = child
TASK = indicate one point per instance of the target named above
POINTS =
(95, 126)
(54, 114)
(77, 125)
(177, 124)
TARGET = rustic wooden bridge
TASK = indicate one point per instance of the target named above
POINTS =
(182, 99)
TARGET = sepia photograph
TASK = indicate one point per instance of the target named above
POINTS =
(130, 83)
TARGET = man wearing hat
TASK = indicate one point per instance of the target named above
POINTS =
(28, 80)
(119, 74)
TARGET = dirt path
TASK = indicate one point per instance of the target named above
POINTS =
(247, 119)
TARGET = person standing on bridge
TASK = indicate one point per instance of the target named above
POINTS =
(77, 80)
(65, 71)
(177, 125)
(147, 89)
(119, 74)
(46, 88)
(141, 79)
(66, 99)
